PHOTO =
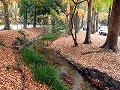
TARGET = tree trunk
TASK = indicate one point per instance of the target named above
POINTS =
(70, 22)
(67, 25)
(25, 19)
(7, 22)
(109, 14)
(34, 25)
(97, 21)
(88, 32)
(82, 22)
(113, 28)
(93, 22)
(74, 35)
(76, 22)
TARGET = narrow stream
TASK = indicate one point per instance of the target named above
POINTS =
(67, 72)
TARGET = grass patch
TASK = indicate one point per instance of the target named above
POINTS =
(42, 72)
(31, 57)
(49, 75)
(48, 36)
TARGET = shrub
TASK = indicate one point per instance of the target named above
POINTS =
(31, 57)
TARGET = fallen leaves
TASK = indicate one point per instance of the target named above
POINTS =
(108, 62)
(10, 78)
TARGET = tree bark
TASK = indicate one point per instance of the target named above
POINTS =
(93, 22)
(76, 22)
(7, 22)
(67, 25)
(82, 22)
(97, 21)
(35, 16)
(25, 19)
(88, 32)
(74, 35)
(113, 28)
(109, 14)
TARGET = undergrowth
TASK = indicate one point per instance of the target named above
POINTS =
(48, 36)
(42, 72)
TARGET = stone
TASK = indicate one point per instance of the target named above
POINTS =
(101, 76)
(107, 78)
(94, 74)
(112, 88)
(116, 83)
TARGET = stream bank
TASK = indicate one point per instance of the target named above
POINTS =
(68, 73)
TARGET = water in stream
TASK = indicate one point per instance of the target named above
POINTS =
(67, 72)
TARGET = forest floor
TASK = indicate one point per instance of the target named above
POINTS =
(89, 55)
(10, 77)
(85, 55)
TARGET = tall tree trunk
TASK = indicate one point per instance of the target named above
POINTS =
(74, 35)
(7, 22)
(82, 21)
(70, 22)
(97, 21)
(25, 19)
(93, 22)
(113, 28)
(109, 14)
(34, 25)
(76, 22)
(67, 25)
(88, 32)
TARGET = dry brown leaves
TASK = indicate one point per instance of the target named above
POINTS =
(108, 62)
(10, 79)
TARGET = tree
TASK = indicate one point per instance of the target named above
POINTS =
(113, 28)
(6, 12)
(89, 23)
(24, 5)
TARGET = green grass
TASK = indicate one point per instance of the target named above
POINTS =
(49, 75)
(42, 72)
(48, 36)
(31, 57)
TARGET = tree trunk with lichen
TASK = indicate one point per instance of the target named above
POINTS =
(89, 22)
(113, 28)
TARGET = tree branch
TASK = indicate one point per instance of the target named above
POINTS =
(79, 2)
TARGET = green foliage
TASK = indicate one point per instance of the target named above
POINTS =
(48, 36)
(42, 73)
(55, 30)
(31, 56)
(48, 75)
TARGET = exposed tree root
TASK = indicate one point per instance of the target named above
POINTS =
(114, 48)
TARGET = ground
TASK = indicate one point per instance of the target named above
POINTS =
(108, 62)
(10, 78)
(88, 55)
